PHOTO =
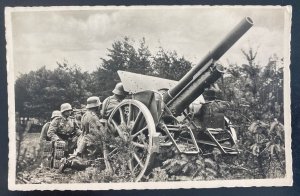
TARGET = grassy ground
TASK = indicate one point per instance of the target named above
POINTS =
(247, 165)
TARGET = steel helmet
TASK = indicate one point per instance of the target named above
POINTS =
(55, 113)
(119, 89)
(65, 107)
(93, 102)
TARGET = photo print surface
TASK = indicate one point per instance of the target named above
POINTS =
(148, 97)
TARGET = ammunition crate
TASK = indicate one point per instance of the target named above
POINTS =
(56, 163)
(60, 145)
(47, 146)
(58, 154)
(59, 149)
(47, 156)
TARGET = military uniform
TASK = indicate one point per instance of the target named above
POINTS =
(65, 129)
(108, 106)
(90, 140)
(44, 131)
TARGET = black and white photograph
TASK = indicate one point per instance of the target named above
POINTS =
(148, 97)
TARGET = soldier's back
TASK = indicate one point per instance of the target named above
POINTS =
(108, 106)
(44, 131)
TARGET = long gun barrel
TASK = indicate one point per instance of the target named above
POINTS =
(206, 72)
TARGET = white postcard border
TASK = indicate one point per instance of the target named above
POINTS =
(287, 181)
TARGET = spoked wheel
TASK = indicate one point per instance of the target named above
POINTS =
(130, 148)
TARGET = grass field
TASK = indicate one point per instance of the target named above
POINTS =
(258, 160)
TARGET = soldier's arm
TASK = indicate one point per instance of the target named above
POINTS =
(103, 108)
(43, 132)
(77, 129)
(95, 126)
(53, 130)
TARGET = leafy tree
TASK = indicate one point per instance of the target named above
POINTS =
(256, 96)
(122, 56)
(40, 92)
(32, 85)
(255, 90)
(74, 82)
(21, 93)
(103, 82)
(251, 71)
(271, 90)
(169, 65)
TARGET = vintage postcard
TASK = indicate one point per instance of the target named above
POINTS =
(148, 97)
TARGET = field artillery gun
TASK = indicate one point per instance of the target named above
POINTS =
(161, 113)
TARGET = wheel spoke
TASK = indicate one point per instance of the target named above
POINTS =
(138, 160)
(135, 168)
(120, 132)
(121, 115)
(131, 168)
(139, 145)
(111, 152)
(140, 131)
(129, 114)
(137, 120)
(130, 165)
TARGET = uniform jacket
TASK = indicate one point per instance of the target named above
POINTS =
(44, 131)
(108, 106)
(63, 128)
(90, 123)
(92, 131)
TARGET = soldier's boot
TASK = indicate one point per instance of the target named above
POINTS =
(80, 164)
(63, 165)
(76, 163)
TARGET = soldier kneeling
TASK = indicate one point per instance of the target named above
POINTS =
(90, 141)
(64, 132)
(46, 144)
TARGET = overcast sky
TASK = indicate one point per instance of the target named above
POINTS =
(83, 36)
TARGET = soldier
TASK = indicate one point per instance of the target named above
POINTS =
(92, 129)
(77, 116)
(64, 128)
(90, 141)
(45, 128)
(111, 102)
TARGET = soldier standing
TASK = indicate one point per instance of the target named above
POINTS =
(64, 128)
(111, 102)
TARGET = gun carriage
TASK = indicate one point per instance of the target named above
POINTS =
(161, 113)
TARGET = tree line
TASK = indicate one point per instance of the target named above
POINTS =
(258, 88)
(39, 92)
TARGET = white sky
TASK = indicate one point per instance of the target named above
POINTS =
(83, 36)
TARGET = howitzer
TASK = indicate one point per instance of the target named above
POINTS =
(161, 113)
(182, 94)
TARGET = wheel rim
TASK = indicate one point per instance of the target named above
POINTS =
(131, 152)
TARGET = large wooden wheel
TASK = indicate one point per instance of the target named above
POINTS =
(130, 146)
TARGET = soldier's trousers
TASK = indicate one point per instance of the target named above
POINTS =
(88, 146)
